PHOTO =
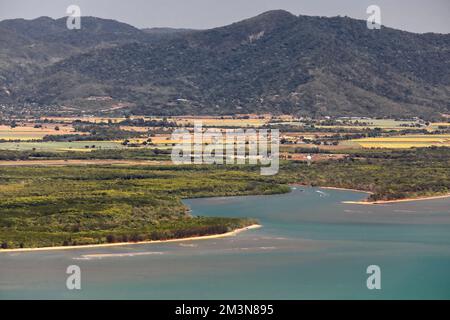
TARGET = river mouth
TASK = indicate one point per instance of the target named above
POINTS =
(311, 246)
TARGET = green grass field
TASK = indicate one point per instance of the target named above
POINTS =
(55, 146)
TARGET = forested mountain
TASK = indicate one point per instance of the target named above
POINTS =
(275, 62)
(27, 46)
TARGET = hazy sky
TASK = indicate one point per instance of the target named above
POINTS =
(410, 15)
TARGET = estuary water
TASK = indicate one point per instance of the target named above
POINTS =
(311, 246)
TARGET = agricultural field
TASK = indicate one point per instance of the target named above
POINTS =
(386, 124)
(135, 129)
(206, 121)
(218, 122)
(84, 119)
(29, 132)
(56, 146)
(166, 140)
(107, 137)
(438, 125)
(404, 141)
(341, 147)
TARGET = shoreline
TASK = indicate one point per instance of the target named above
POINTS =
(346, 189)
(222, 235)
(119, 244)
(398, 200)
(363, 202)
(331, 188)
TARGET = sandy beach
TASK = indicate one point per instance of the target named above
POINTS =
(103, 245)
(384, 201)
(398, 200)
(346, 189)
(330, 188)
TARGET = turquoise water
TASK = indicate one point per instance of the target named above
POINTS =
(311, 246)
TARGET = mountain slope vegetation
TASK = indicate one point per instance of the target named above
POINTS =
(275, 62)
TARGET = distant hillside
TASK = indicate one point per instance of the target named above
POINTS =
(167, 31)
(274, 62)
(29, 45)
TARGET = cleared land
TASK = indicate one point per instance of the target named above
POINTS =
(207, 121)
(218, 122)
(404, 141)
(56, 146)
(386, 124)
(29, 132)
(77, 162)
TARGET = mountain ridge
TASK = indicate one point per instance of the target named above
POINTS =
(274, 62)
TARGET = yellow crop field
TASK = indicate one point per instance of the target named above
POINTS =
(135, 129)
(403, 142)
(438, 125)
(29, 132)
